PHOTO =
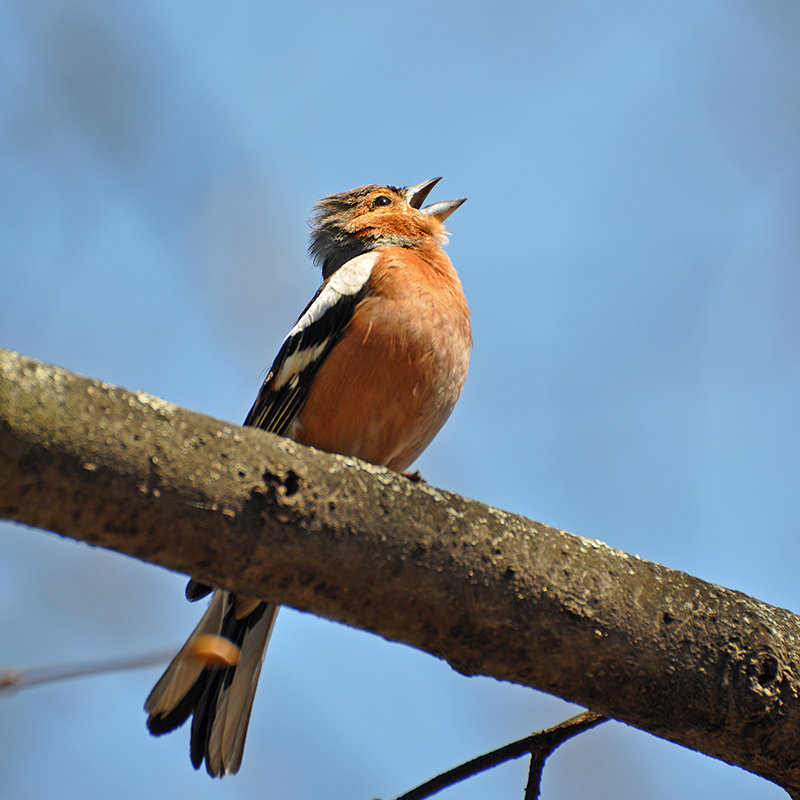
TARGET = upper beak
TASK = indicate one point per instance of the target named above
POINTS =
(415, 197)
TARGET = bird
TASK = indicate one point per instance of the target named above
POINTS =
(372, 368)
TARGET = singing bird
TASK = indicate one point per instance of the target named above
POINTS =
(372, 368)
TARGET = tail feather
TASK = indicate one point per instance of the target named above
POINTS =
(219, 698)
(179, 681)
(227, 734)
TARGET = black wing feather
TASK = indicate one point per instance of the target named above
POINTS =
(277, 405)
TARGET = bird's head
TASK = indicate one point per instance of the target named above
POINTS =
(351, 223)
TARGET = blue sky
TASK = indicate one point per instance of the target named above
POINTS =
(630, 253)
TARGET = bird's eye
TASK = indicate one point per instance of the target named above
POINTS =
(382, 200)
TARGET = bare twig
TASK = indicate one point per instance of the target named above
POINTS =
(12, 680)
(540, 745)
(547, 741)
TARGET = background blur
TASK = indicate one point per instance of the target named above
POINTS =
(630, 251)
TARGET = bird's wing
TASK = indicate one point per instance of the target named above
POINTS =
(308, 343)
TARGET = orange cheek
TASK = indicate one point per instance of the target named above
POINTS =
(408, 224)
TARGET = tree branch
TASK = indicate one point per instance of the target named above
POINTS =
(490, 592)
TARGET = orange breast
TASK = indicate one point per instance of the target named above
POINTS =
(392, 380)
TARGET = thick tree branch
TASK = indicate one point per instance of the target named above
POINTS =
(490, 592)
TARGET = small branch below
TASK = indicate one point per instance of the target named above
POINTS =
(540, 745)
(548, 740)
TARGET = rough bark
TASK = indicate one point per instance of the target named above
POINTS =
(489, 591)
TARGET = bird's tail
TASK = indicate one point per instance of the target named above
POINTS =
(219, 698)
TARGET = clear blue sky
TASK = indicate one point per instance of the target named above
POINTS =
(630, 251)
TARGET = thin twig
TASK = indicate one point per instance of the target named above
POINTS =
(549, 740)
(12, 680)
(539, 745)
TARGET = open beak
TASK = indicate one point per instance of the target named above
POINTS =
(416, 195)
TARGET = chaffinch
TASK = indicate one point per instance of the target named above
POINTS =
(372, 368)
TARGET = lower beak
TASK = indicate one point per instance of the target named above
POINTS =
(443, 209)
